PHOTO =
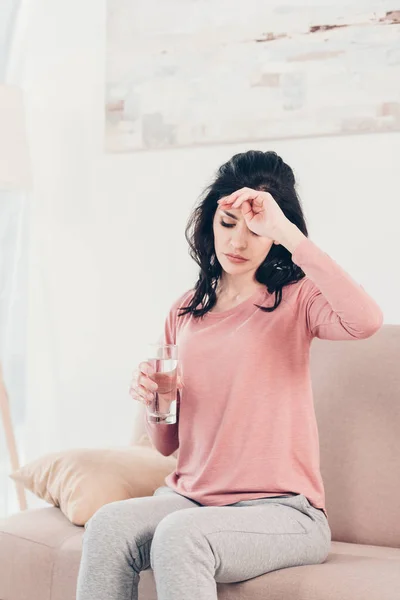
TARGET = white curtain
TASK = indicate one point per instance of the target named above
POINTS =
(8, 17)
(13, 284)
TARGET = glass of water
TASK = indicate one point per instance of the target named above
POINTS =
(164, 360)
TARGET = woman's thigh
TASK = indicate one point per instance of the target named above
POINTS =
(255, 537)
(130, 524)
(268, 534)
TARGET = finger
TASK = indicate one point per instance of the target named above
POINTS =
(136, 391)
(224, 201)
(231, 198)
(141, 394)
(145, 393)
(228, 200)
(247, 208)
(239, 201)
(256, 206)
(136, 396)
(147, 383)
(137, 376)
(253, 195)
(257, 200)
(146, 368)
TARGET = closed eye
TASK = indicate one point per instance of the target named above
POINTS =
(233, 225)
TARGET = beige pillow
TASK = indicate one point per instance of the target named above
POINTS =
(80, 481)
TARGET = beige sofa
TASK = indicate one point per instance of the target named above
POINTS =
(357, 399)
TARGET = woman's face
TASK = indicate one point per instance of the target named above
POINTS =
(232, 236)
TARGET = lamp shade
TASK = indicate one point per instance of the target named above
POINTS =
(15, 171)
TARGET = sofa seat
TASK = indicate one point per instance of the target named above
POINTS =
(40, 552)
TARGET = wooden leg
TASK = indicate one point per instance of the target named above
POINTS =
(10, 439)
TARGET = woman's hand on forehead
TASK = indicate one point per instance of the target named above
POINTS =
(261, 212)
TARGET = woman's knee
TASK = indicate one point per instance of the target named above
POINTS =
(174, 534)
(105, 517)
(117, 534)
(121, 526)
(116, 522)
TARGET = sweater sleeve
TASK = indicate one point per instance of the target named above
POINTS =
(334, 306)
(165, 436)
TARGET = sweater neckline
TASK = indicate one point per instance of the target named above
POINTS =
(257, 298)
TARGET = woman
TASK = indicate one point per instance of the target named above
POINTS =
(246, 428)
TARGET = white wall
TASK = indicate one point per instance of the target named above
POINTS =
(107, 250)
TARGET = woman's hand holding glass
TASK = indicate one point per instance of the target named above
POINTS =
(157, 382)
(143, 385)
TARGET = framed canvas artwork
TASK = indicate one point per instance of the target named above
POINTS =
(200, 72)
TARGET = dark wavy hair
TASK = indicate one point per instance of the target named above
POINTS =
(258, 170)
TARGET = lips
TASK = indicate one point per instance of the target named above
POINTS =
(236, 257)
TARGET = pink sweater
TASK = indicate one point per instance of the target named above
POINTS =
(246, 423)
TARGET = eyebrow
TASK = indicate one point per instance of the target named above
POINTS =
(229, 214)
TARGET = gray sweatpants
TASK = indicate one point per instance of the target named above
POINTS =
(190, 550)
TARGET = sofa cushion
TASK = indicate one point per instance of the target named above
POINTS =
(356, 395)
(40, 553)
(80, 481)
(340, 577)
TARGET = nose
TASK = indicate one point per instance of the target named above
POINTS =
(239, 238)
